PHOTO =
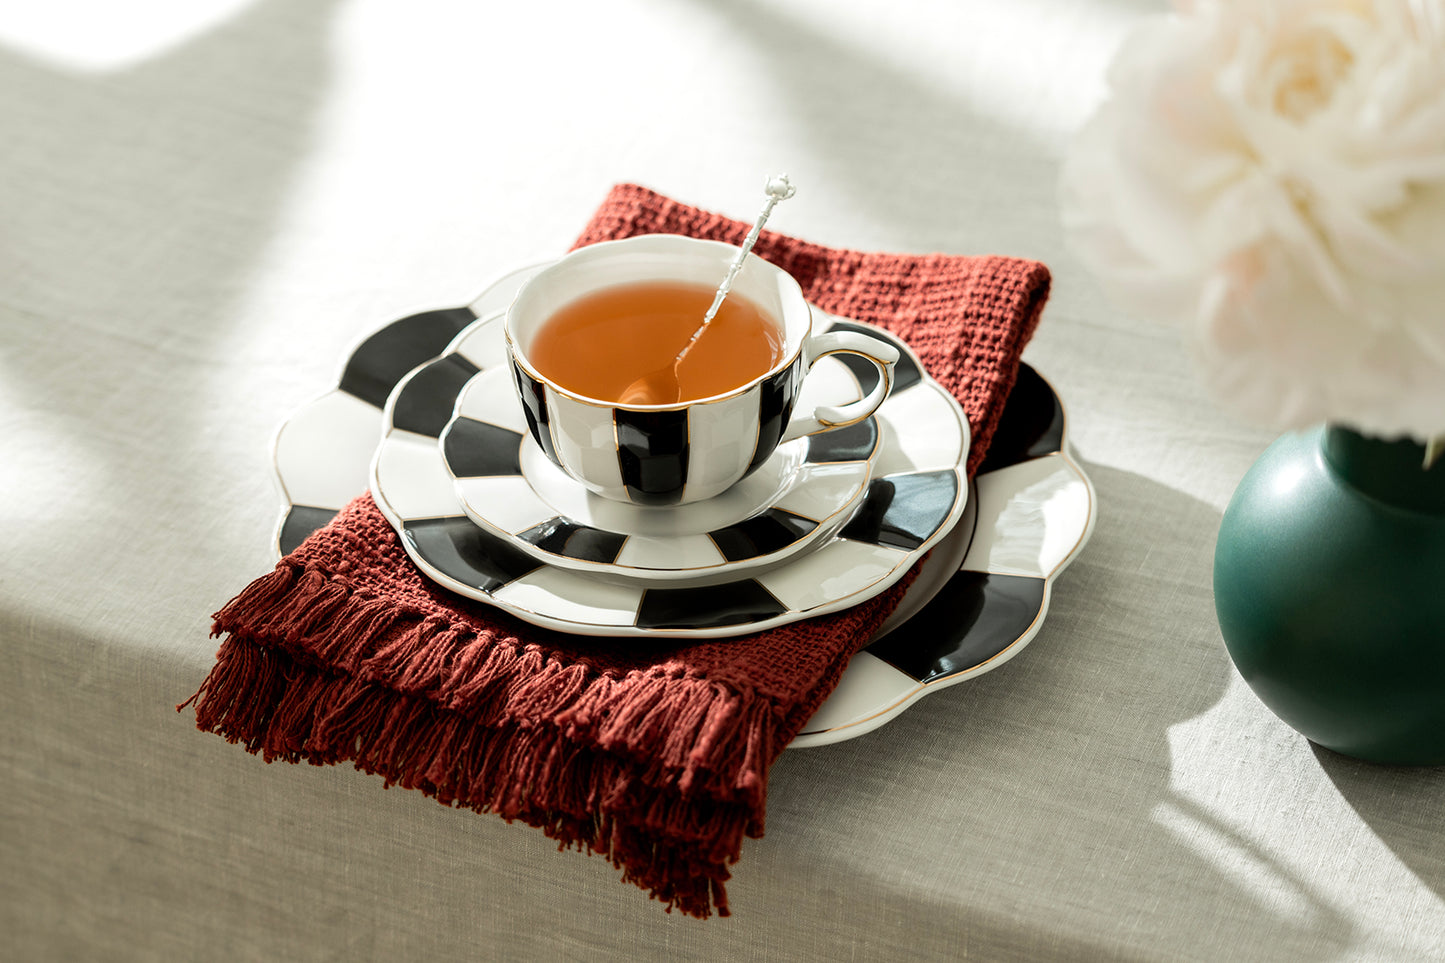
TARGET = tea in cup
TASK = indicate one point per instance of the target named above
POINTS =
(592, 341)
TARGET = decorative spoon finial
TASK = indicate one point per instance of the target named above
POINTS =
(661, 386)
(778, 188)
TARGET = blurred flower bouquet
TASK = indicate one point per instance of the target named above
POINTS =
(1270, 174)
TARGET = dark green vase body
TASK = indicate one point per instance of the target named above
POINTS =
(1329, 583)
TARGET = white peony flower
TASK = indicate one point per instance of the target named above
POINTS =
(1271, 175)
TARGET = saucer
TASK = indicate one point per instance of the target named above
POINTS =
(915, 494)
(981, 596)
(797, 499)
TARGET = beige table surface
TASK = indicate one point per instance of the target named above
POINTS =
(203, 205)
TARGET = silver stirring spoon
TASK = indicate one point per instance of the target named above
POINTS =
(661, 386)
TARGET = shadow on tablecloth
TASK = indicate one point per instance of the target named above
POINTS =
(1400, 804)
(1038, 803)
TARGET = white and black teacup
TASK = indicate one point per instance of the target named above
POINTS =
(670, 454)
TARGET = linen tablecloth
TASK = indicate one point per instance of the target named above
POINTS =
(205, 206)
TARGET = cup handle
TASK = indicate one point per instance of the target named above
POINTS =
(826, 417)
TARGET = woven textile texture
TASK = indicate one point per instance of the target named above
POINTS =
(652, 753)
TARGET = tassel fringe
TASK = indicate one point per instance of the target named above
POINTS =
(660, 772)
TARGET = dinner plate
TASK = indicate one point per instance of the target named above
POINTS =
(799, 497)
(981, 597)
(915, 495)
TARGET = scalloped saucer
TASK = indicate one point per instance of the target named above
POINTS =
(799, 498)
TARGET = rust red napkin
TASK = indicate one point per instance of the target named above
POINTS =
(652, 753)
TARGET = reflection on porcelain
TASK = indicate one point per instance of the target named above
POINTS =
(1030, 534)
(911, 449)
(939, 567)
(839, 569)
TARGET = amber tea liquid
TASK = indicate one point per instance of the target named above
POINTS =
(600, 344)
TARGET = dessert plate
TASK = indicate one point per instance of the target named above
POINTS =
(915, 495)
(798, 498)
(981, 597)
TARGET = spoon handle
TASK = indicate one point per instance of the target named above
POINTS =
(778, 189)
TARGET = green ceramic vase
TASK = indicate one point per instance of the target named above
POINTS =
(1329, 583)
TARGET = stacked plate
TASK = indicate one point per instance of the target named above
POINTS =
(830, 520)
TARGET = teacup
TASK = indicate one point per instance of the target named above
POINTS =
(671, 454)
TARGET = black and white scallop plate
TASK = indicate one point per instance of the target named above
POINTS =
(915, 494)
(799, 497)
(982, 595)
